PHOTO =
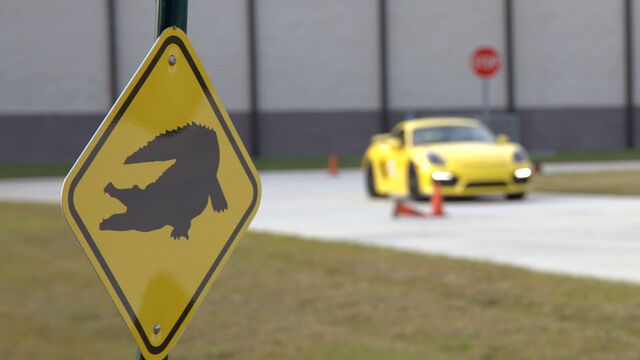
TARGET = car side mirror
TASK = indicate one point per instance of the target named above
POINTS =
(502, 139)
(394, 143)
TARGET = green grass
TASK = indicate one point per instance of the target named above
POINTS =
(285, 298)
(29, 170)
(601, 155)
(355, 161)
(26, 170)
(614, 182)
(305, 163)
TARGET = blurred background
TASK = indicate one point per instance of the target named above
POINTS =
(309, 78)
(324, 271)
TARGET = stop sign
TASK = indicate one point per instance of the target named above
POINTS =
(485, 61)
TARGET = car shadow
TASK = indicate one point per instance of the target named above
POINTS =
(474, 199)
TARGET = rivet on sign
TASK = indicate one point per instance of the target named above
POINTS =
(172, 60)
(156, 329)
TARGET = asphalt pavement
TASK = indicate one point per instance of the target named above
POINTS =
(592, 235)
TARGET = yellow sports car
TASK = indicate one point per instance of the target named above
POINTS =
(459, 153)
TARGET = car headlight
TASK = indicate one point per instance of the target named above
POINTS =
(522, 173)
(434, 158)
(442, 176)
(519, 155)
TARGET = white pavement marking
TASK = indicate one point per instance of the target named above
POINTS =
(591, 235)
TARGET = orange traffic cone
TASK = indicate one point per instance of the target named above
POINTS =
(537, 168)
(402, 208)
(436, 200)
(333, 165)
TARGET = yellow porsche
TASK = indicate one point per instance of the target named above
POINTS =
(459, 153)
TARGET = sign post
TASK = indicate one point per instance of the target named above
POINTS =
(485, 63)
(171, 13)
(163, 191)
(486, 99)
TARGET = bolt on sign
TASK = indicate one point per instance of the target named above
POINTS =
(161, 194)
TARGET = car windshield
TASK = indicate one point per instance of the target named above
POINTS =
(430, 135)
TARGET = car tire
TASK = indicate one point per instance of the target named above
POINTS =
(371, 183)
(414, 187)
(518, 196)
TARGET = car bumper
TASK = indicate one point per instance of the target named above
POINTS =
(469, 183)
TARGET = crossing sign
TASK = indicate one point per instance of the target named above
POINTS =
(161, 194)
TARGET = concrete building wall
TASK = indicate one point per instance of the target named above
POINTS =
(135, 34)
(318, 76)
(218, 31)
(317, 55)
(318, 69)
(569, 53)
(570, 69)
(54, 57)
(430, 42)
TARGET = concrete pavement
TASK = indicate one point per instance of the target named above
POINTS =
(38, 190)
(589, 166)
(590, 235)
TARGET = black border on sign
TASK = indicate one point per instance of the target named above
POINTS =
(103, 264)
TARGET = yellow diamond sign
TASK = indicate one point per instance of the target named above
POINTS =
(161, 194)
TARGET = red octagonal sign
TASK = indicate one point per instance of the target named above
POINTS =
(485, 61)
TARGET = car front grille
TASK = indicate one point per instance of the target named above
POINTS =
(451, 182)
(487, 184)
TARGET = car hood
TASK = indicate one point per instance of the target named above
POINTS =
(471, 154)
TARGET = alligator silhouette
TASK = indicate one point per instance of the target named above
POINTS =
(181, 193)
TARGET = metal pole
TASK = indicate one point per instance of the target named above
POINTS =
(510, 61)
(113, 50)
(140, 357)
(171, 13)
(629, 76)
(383, 70)
(252, 34)
(485, 100)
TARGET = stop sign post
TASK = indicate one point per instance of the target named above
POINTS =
(485, 63)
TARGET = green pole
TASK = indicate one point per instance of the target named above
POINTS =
(140, 357)
(171, 13)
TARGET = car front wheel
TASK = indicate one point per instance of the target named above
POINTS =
(518, 196)
(371, 182)
(414, 187)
